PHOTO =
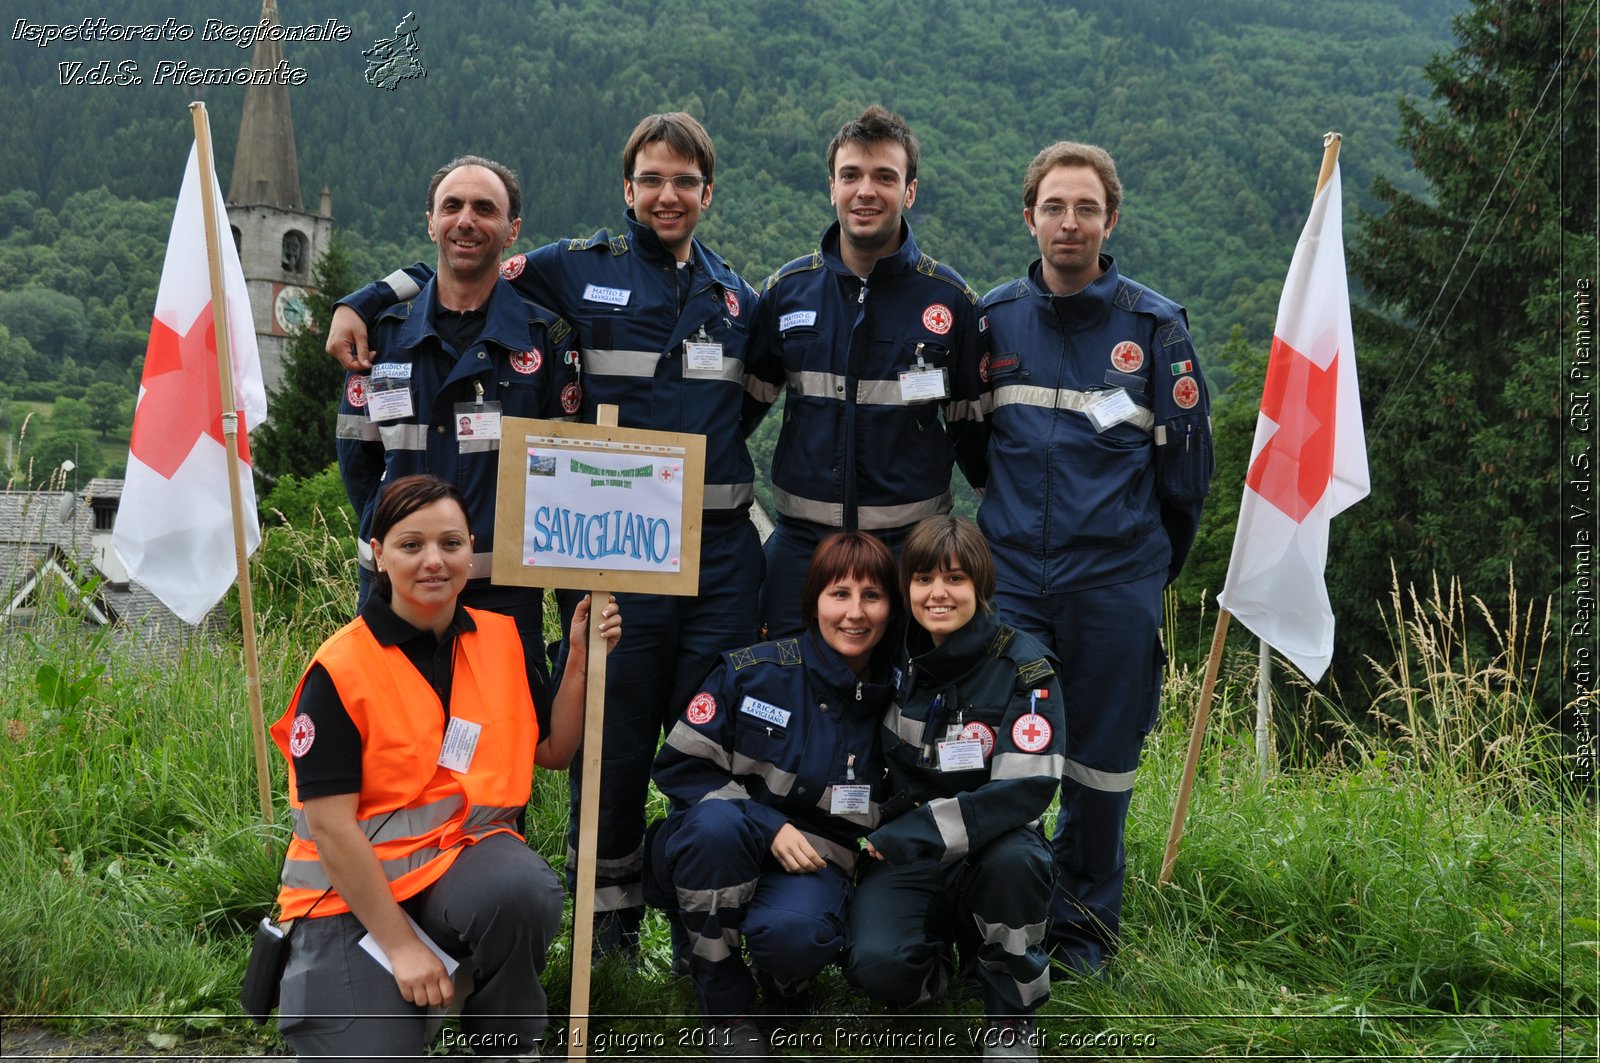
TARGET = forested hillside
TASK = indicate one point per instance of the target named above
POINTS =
(1215, 113)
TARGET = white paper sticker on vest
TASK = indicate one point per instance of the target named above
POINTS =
(797, 319)
(460, 743)
(596, 293)
(762, 711)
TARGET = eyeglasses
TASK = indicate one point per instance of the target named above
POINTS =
(683, 182)
(1085, 212)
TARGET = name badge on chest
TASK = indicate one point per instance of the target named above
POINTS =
(389, 391)
(702, 356)
(961, 754)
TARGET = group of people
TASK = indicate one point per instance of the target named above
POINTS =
(817, 695)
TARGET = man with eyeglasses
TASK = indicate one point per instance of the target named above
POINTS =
(870, 340)
(1099, 459)
(661, 322)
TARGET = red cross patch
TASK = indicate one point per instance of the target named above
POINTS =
(1031, 733)
(571, 397)
(527, 362)
(703, 709)
(301, 734)
(355, 390)
(937, 319)
(511, 268)
(731, 298)
(983, 369)
(1127, 357)
(983, 733)
(1185, 392)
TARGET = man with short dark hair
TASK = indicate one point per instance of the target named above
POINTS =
(464, 351)
(661, 325)
(870, 341)
(1098, 462)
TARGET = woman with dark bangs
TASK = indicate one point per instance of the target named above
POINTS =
(975, 747)
(774, 775)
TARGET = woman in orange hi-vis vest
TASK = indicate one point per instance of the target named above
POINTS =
(411, 743)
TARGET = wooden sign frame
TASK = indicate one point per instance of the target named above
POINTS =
(518, 434)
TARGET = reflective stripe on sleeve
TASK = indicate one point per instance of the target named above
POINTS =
(1026, 766)
(356, 426)
(952, 826)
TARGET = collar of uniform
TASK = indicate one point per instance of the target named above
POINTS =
(829, 672)
(1085, 307)
(505, 317)
(390, 630)
(647, 244)
(902, 260)
(960, 652)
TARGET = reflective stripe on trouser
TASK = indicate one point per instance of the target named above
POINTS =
(788, 550)
(669, 649)
(907, 922)
(499, 907)
(1087, 628)
(714, 864)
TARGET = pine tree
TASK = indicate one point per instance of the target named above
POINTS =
(1463, 384)
(298, 437)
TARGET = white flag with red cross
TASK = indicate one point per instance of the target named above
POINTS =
(1309, 461)
(174, 529)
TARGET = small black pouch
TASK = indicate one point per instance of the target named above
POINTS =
(269, 953)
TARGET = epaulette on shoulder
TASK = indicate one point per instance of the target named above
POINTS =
(784, 652)
(602, 238)
(1136, 298)
(799, 265)
(1005, 293)
(397, 312)
(1008, 643)
(932, 267)
(559, 329)
(1030, 672)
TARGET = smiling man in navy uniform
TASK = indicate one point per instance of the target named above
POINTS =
(875, 347)
(1099, 459)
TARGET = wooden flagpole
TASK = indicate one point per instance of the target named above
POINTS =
(594, 712)
(1330, 156)
(230, 435)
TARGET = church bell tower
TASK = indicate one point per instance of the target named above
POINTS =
(278, 239)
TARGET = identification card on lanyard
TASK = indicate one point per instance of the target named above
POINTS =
(477, 420)
(460, 743)
(849, 798)
(961, 754)
(1111, 408)
(924, 382)
(389, 391)
(702, 354)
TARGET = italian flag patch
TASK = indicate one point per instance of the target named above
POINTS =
(1182, 367)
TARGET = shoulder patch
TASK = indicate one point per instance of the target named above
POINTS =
(1171, 332)
(1005, 293)
(1030, 672)
(1002, 638)
(559, 330)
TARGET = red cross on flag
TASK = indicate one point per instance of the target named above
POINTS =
(174, 528)
(1309, 461)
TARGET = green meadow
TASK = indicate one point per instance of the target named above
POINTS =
(1418, 882)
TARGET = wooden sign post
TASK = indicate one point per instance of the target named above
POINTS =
(596, 508)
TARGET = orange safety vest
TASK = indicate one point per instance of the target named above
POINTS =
(417, 814)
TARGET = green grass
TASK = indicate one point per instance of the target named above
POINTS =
(1425, 887)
